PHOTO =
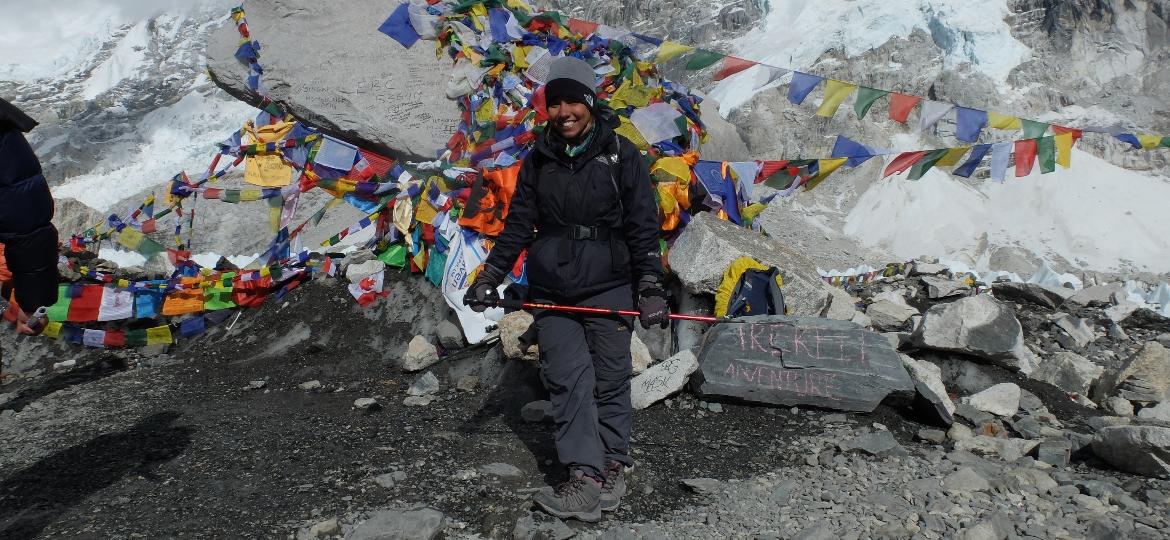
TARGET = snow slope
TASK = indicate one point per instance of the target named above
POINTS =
(1095, 214)
(127, 61)
(796, 32)
(176, 138)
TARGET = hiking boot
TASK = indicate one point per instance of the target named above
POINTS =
(579, 497)
(614, 487)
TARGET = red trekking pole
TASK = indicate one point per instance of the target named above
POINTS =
(518, 304)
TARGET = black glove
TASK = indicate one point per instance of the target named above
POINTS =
(652, 303)
(483, 294)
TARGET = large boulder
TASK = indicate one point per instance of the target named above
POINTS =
(889, 311)
(1068, 371)
(1095, 296)
(1145, 377)
(801, 361)
(516, 337)
(333, 69)
(1143, 450)
(708, 245)
(1034, 293)
(1001, 400)
(931, 390)
(979, 326)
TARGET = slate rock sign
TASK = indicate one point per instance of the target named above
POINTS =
(800, 361)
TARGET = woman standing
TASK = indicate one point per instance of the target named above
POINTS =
(585, 209)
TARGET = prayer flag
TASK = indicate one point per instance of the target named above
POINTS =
(368, 289)
(825, 167)
(136, 338)
(115, 339)
(116, 305)
(865, 98)
(932, 112)
(1046, 151)
(159, 335)
(1129, 139)
(968, 167)
(903, 161)
(969, 123)
(731, 66)
(582, 28)
(87, 304)
(669, 50)
(146, 303)
(1002, 121)
(1001, 154)
(702, 58)
(1064, 144)
(952, 157)
(1150, 142)
(192, 327)
(767, 74)
(59, 312)
(93, 338)
(855, 151)
(926, 163)
(901, 105)
(1032, 129)
(1025, 156)
(398, 27)
(835, 93)
(801, 86)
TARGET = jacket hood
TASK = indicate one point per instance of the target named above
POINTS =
(13, 118)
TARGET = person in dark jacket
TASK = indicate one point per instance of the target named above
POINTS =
(584, 207)
(26, 213)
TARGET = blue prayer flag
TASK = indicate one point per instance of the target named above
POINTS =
(802, 85)
(710, 174)
(192, 327)
(498, 20)
(968, 167)
(1130, 139)
(398, 27)
(855, 151)
(969, 123)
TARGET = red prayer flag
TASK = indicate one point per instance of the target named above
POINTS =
(768, 168)
(731, 66)
(1025, 156)
(149, 226)
(115, 339)
(1060, 130)
(87, 304)
(901, 105)
(904, 161)
(582, 28)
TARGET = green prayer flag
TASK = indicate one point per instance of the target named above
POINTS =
(395, 256)
(1166, 141)
(59, 312)
(932, 157)
(220, 296)
(136, 338)
(702, 58)
(149, 248)
(1032, 129)
(230, 196)
(1046, 150)
(681, 123)
(865, 98)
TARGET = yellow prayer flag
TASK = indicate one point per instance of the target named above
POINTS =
(835, 94)
(1064, 144)
(669, 50)
(483, 114)
(425, 213)
(1002, 121)
(130, 238)
(265, 271)
(159, 335)
(123, 284)
(520, 56)
(403, 212)
(1150, 142)
(478, 10)
(52, 330)
(825, 167)
(631, 133)
(671, 169)
(952, 157)
(520, 5)
(752, 211)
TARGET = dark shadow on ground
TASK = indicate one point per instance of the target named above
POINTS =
(104, 367)
(33, 498)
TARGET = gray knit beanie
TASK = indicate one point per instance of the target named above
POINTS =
(572, 78)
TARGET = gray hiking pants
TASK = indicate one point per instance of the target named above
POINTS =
(585, 365)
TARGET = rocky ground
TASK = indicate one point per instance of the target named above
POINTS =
(296, 419)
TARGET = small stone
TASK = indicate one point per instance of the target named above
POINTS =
(1160, 412)
(256, 385)
(1076, 329)
(703, 486)
(425, 385)
(878, 443)
(1118, 406)
(309, 386)
(964, 480)
(64, 366)
(420, 354)
(639, 354)
(366, 404)
(385, 480)
(500, 469)
(935, 436)
(514, 331)
(449, 335)
(1055, 452)
(467, 383)
(323, 529)
(537, 411)
(937, 287)
(662, 380)
(959, 432)
(715, 407)
(1068, 371)
(418, 401)
(1002, 400)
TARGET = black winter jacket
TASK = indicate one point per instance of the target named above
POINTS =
(26, 229)
(555, 191)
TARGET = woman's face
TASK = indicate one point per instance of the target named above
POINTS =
(570, 119)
